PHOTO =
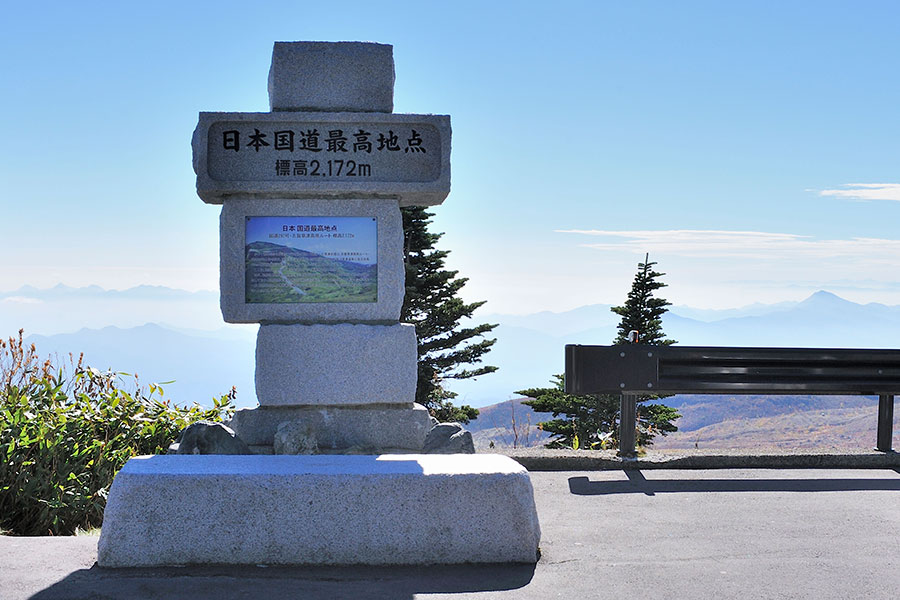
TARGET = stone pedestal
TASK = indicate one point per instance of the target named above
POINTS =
(319, 510)
(312, 249)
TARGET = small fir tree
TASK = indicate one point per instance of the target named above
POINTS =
(641, 311)
(591, 421)
(433, 306)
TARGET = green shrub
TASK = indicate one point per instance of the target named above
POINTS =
(65, 433)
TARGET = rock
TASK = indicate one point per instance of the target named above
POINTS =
(448, 438)
(460, 443)
(205, 437)
(295, 437)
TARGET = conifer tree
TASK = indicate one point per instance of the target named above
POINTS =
(641, 311)
(591, 421)
(447, 350)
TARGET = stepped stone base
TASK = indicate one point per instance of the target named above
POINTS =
(334, 510)
(357, 429)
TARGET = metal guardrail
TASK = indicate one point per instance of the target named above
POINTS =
(633, 370)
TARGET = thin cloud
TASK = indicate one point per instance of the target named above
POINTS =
(866, 191)
(20, 300)
(832, 285)
(742, 244)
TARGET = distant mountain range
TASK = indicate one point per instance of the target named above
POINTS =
(203, 364)
(63, 309)
(164, 334)
(529, 348)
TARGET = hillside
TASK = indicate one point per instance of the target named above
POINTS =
(834, 428)
(278, 274)
(508, 424)
(717, 422)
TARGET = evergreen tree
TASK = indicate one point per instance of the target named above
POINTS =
(591, 421)
(432, 305)
(642, 312)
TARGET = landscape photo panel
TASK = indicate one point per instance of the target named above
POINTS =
(311, 259)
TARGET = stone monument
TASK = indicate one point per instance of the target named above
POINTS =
(311, 248)
(312, 244)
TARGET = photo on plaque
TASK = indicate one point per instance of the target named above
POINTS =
(311, 259)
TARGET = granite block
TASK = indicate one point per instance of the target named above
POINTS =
(340, 364)
(324, 510)
(332, 76)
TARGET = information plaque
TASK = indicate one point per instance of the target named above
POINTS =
(311, 259)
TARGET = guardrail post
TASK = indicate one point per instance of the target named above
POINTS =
(885, 422)
(627, 424)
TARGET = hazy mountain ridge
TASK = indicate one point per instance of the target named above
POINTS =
(63, 309)
(156, 292)
(206, 357)
(203, 365)
(712, 314)
(530, 352)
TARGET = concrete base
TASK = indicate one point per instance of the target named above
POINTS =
(358, 429)
(377, 510)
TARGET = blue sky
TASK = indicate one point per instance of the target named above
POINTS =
(751, 148)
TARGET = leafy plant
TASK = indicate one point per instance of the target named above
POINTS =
(65, 433)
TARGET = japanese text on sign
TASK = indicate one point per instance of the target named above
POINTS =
(310, 140)
(318, 152)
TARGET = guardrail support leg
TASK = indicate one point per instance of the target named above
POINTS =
(627, 424)
(885, 422)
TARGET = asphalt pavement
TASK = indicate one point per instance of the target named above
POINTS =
(724, 533)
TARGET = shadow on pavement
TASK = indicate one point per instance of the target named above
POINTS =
(198, 583)
(638, 484)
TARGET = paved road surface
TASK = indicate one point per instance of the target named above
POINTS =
(817, 534)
